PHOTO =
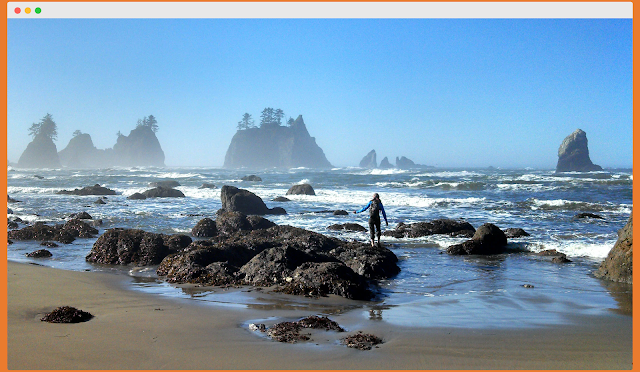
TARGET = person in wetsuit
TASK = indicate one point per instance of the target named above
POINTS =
(375, 207)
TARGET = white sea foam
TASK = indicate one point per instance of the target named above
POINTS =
(450, 174)
(573, 248)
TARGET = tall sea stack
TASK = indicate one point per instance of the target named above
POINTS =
(81, 153)
(140, 148)
(573, 154)
(40, 153)
(369, 161)
(275, 146)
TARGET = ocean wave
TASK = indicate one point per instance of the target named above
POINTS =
(570, 205)
(451, 174)
(595, 251)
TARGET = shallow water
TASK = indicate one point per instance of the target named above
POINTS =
(433, 289)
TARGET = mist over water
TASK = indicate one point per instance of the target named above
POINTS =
(460, 290)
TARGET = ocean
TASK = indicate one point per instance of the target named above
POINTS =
(433, 288)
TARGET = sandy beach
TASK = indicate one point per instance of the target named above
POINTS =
(134, 330)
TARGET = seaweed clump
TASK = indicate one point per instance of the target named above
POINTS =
(362, 341)
(67, 314)
(290, 331)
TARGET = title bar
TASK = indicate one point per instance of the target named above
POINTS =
(26, 9)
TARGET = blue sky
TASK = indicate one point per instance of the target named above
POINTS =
(448, 92)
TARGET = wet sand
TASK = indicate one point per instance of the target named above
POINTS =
(135, 330)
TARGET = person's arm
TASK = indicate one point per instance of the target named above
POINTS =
(384, 214)
(364, 208)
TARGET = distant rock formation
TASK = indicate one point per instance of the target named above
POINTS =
(369, 161)
(275, 146)
(618, 266)
(573, 154)
(81, 153)
(40, 153)
(384, 164)
(140, 148)
(404, 163)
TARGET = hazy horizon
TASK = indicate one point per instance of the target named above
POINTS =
(459, 93)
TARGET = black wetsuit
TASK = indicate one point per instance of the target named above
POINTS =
(374, 217)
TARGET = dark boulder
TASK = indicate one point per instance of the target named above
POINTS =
(12, 225)
(589, 215)
(385, 164)
(167, 184)
(49, 244)
(573, 154)
(229, 222)
(176, 242)
(207, 263)
(347, 227)
(205, 228)
(323, 278)
(370, 262)
(303, 189)
(88, 190)
(515, 232)
(207, 186)
(81, 216)
(281, 199)
(79, 229)
(419, 229)
(276, 265)
(298, 260)
(340, 212)
(40, 253)
(66, 233)
(99, 201)
(12, 200)
(128, 246)
(488, 239)
(618, 265)
(9, 211)
(258, 222)
(556, 257)
(244, 201)
(163, 192)
(369, 160)
(560, 259)
(136, 196)
(252, 178)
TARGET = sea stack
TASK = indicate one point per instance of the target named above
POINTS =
(573, 154)
(140, 148)
(275, 146)
(81, 153)
(40, 153)
(405, 163)
(369, 161)
(384, 164)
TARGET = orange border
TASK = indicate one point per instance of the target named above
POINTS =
(3, 149)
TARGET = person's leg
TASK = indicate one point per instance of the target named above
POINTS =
(372, 229)
(378, 230)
